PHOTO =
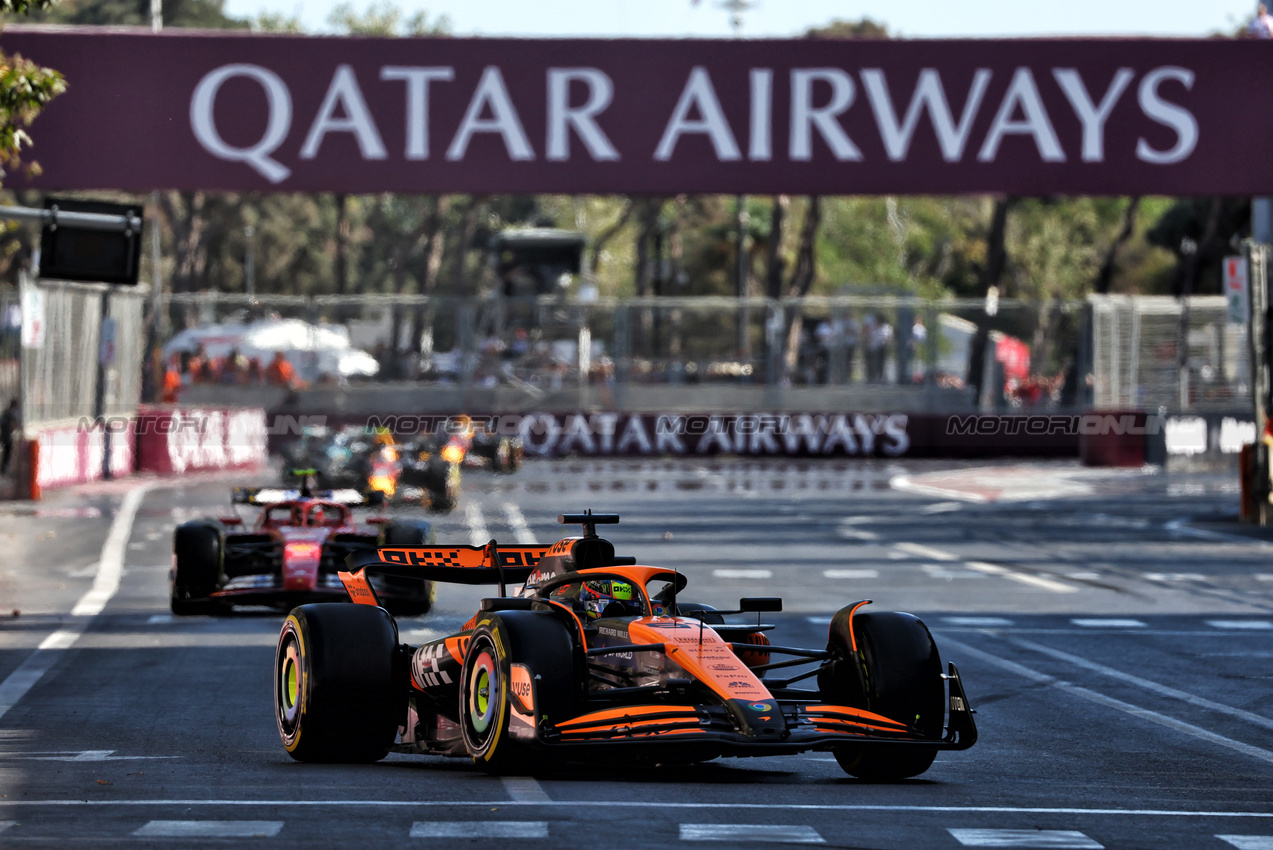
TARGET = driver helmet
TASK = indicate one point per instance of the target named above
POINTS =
(597, 595)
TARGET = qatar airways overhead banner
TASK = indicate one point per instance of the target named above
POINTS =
(223, 111)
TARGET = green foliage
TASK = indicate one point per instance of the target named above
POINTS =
(277, 22)
(203, 14)
(384, 19)
(23, 7)
(865, 28)
(25, 89)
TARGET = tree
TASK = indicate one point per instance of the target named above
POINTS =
(25, 89)
(202, 14)
(864, 28)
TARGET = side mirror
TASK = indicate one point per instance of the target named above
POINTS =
(759, 604)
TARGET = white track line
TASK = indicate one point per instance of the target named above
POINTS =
(773, 833)
(478, 535)
(743, 574)
(1144, 684)
(850, 574)
(1023, 578)
(521, 531)
(1241, 625)
(577, 805)
(942, 508)
(1248, 842)
(109, 570)
(905, 484)
(1127, 708)
(480, 829)
(1056, 839)
(210, 829)
(525, 789)
(988, 569)
(925, 552)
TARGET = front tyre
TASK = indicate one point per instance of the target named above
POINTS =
(500, 707)
(895, 672)
(196, 569)
(340, 688)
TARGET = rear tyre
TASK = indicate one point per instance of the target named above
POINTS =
(196, 569)
(897, 672)
(340, 688)
(417, 594)
(499, 714)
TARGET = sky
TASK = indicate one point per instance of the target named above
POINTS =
(784, 18)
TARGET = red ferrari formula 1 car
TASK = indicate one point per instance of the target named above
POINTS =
(290, 554)
(594, 657)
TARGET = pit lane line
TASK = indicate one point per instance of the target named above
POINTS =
(1144, 684)
(521, 530)
(476, 521)
(110, 568)
(1117, 704)
(644, 804)
(988, 569)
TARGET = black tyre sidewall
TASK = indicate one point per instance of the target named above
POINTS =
(901, 679)
(196, 567)
(352, 685)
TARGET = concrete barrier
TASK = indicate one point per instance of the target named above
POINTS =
(62, 456)
(176, 440)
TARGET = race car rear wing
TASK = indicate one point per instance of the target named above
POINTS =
(272, 495)
(489, 564)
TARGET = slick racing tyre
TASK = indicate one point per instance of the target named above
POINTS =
(196, 569)
(340, 689)
(414, 597)
(897, 673)
(500, 711)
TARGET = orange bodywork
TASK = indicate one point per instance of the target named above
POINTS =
(470, 557)
(700, 652)
(359, 588)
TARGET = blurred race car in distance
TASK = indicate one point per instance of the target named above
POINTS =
(483, 449)
(594, 658)
(290, 553)
(373, 461)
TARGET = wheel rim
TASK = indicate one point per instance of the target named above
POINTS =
(482, 693)
(289, 685)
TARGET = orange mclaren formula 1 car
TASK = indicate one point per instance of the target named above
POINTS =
(594, 657)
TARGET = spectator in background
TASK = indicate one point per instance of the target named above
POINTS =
(852, 338)
(280, 373)
(10, 423)
(235, 368)
(198, 366)
(1261, 25)
(824, 334)
(878, 342)
(521, 344)
(919, 336)
(172, 380)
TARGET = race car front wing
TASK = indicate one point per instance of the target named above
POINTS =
(809, 725)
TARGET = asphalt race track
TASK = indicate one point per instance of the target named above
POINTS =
(1114, 631)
